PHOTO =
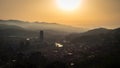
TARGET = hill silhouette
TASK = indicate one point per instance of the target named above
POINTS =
(101, 48)
(42, 26)
(97, 48)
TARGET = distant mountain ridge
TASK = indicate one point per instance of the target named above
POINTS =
(41, 26)
(18, 28)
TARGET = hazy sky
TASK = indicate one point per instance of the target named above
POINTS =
(90, 13)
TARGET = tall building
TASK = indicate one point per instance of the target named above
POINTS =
(41, 36)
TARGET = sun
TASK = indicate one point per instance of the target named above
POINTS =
(68, 4)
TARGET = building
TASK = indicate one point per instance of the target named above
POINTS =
(41, 36)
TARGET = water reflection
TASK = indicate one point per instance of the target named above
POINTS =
(58, 45)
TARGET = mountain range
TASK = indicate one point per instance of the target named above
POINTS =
(42, 26)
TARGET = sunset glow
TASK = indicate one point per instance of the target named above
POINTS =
(76, 13)
(68, 4)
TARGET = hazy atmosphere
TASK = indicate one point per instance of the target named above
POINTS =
(59, 33)
(85, 13)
